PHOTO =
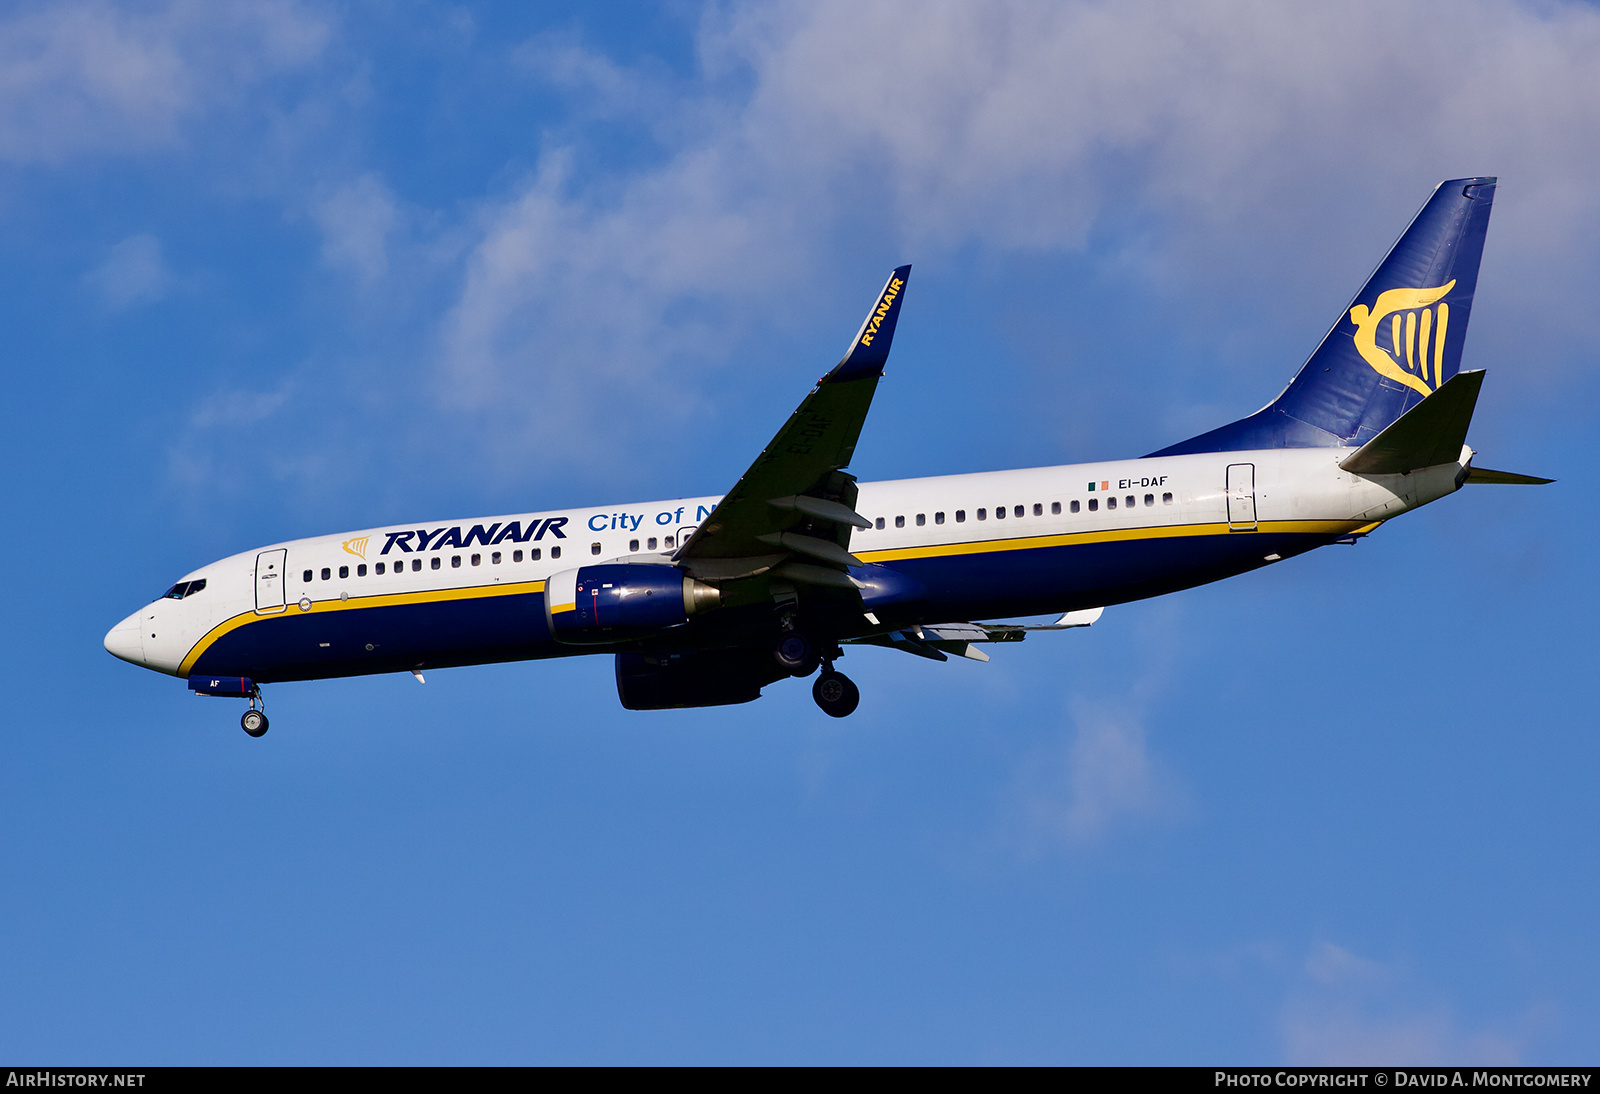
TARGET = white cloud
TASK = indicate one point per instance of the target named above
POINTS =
(1200, 137)
(357, 219)
(1073, 793)
(133, 272)
(237, 409)
(1351, 1010)
(86, 77)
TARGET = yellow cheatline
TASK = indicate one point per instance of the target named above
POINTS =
(428, 596)
(557, 608)
(1179, 531)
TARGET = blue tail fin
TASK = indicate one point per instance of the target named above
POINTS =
(1399, 340)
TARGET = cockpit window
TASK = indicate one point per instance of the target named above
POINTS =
(185, 588)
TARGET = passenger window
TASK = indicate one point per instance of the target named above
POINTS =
(899, 522)
(1055, 508)
(594, 548)
(650, 544)
(633, 545)
(1166, 499)
(327, 574)
(922, 519)
(1000, 512)
(494, 559)
(378, 569)
(306, 576)
(1111, 503)
(665, 543)
(555, 552)
(1038, 510)
(344, 572)
(361, 570)
(516, 556)
(1074, 505)
(1149, 499)
(1131, 501)
(1018, 511)
(961, 516)
(938, 518)
(880, 524)
(477, 559)
(983, 514)
(1094, 504)
(416, 564)
(435, 562)
(455, 562)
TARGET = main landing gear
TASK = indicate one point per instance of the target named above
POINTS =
(835, 693)
(799, 655)
(254, 720)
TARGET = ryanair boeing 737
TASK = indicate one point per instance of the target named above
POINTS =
(705, 601)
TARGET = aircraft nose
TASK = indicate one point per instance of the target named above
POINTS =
(125, 640)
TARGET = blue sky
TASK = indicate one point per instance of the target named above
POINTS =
(281, 269)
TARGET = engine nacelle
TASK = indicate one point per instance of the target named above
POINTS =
(617, 601)
(708, 678)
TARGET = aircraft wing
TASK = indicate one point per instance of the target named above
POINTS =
(794, 507)
(937, 641)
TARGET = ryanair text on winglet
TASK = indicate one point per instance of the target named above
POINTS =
(884, 304)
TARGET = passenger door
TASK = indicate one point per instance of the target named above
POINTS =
(1241, 497)
(270, 581)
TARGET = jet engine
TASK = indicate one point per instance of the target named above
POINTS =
(619, 601)
(706, 678)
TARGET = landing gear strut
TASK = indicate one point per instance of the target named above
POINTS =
(254, 720)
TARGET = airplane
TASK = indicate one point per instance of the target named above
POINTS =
(705, 601)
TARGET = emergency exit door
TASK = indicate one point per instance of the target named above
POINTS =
(1241, 497)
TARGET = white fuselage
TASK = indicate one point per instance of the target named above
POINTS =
(1291, 492)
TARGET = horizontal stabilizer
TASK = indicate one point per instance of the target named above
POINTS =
(1507, 478)
(1429, 434)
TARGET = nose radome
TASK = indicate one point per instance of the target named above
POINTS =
(126, 640)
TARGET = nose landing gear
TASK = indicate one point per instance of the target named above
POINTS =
(254, 720)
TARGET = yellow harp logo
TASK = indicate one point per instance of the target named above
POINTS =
(1410, 335)
(357, 547)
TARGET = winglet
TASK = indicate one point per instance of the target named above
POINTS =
(870, 350)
